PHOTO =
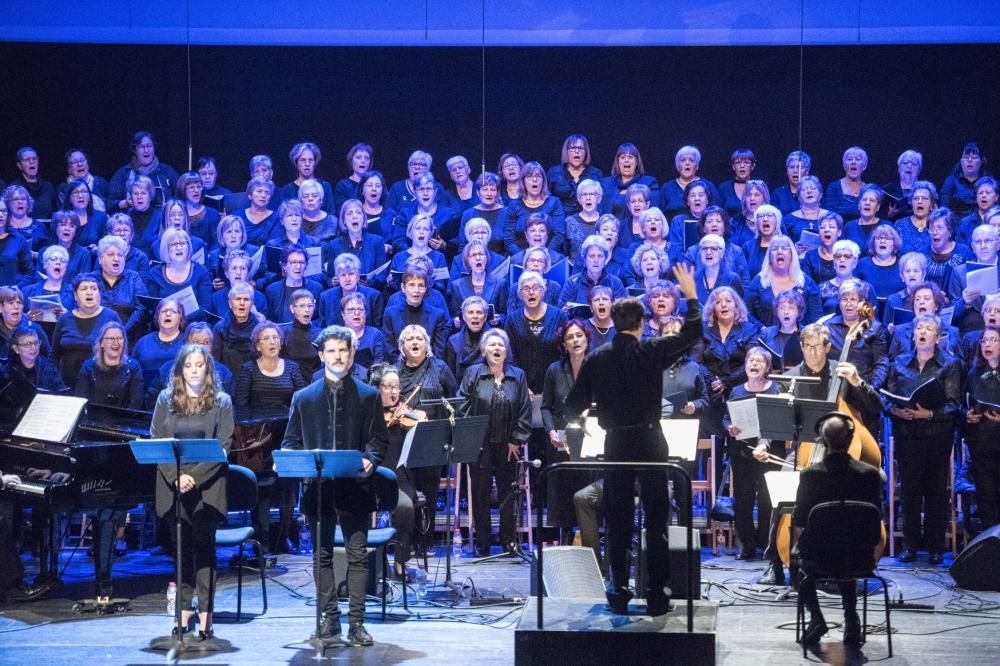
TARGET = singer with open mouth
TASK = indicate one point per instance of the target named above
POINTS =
(498, 389)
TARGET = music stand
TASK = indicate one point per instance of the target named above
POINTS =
(782, 416)
(318, 464)
(177, 451)
(444, 442)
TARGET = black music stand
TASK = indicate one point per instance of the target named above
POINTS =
(444, 442)
(782, 416)
(177, 451)
(318, 464)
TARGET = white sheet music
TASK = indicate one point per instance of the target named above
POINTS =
(593, 438)
(782, 486)
(983, 280)
(501, 271)
(681, 436)
(50, 418)
(187, 299)
(255, 260)
(743, 414)
(199, 256)
(378, 271)
(314, 261)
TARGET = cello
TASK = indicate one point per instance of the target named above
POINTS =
(864, 446)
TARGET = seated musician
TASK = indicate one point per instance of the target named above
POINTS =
(399, 418)
(837, 477)
(24, 373)
(12, 585)
(815, 342)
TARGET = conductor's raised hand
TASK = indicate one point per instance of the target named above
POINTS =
(685, 279)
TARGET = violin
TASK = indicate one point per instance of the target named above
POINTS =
(402, 415)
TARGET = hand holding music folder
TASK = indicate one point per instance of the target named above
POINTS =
(929, 395)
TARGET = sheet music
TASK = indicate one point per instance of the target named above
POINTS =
(983, 280)
(681, 436)
(404, 455)
(378, 271)
(743, 414)
(441, 273)
(47, 303)
(501, 271)
(255, 260)
(50, 418)
(199, 256)
(314, 261)
(593, 438)
(187, 299)
(782, 487)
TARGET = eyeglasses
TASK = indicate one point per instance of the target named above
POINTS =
(77, 162)
(28, 344)
(113, 339)
(296, 262)
(304, 305)
(577, 148)
(814, 348)
(180, 243)
(532, 288)
(711, 248)
(271, 338)
(354, 310)
(169, 311)
(742, 161)
(843, 255)
(426, 188)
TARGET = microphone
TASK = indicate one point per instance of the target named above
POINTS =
(536, 463)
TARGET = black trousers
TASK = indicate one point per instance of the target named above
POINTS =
(355, 528)
(984, 461)
(923, 471)
(197, 562)
(848, 594)
(493, 462)
(105, 525)
(11, 568)
(749, 489)
(403, 519)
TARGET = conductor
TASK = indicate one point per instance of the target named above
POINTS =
(620, 378)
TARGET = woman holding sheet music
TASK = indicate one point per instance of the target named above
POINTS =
(232, 235)
(982, 426)
(179, 272)
(924, 435)
(748, 459)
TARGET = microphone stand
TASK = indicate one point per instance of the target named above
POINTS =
(516, 494)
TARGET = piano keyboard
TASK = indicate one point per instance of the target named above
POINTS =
(29, 487)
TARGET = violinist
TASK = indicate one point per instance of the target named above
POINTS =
(399, 417)
(419, 367)
(982, 426)
(924, 438)
(859, 394)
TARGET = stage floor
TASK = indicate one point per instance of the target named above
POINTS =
(754, 626)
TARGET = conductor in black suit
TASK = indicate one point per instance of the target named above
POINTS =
(836, 477)
(339, 413)
(618, 377)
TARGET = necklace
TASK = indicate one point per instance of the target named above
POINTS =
(602, 331)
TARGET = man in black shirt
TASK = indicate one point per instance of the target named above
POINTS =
(837, 477)
(617, 377)
(339, 413)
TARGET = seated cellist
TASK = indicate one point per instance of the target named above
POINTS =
(815, 342)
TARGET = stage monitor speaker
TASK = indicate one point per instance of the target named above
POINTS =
(570, 572)
(677, 557)
(375, 572)
(977, 567)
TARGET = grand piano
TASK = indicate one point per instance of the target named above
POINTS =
(95, 471)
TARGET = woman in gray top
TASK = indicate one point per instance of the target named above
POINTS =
(192, 407)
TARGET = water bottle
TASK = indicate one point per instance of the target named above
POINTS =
(421, 582)
(305, 539)
(172, 599)
(456, 545)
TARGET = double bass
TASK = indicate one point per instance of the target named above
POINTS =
(864, 446)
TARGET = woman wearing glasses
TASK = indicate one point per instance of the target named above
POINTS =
(110, 376)
(76, 331)
(742, 162)
(179, 272)
(160, 346)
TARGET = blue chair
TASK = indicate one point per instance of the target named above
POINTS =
(386, 488)
(241, 496)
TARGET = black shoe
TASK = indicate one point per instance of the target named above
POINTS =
(358, 637)
(817, 627)
(775, 575)
(21, 593)
(747, 554)
(618, 600)
(935, 559)
(184, 630)
(907, 555)
(852, 630)
(330, 629)
(511, 550)
(206, 635)
(658, 604)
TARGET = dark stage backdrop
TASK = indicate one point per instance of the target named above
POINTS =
(249, 100)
